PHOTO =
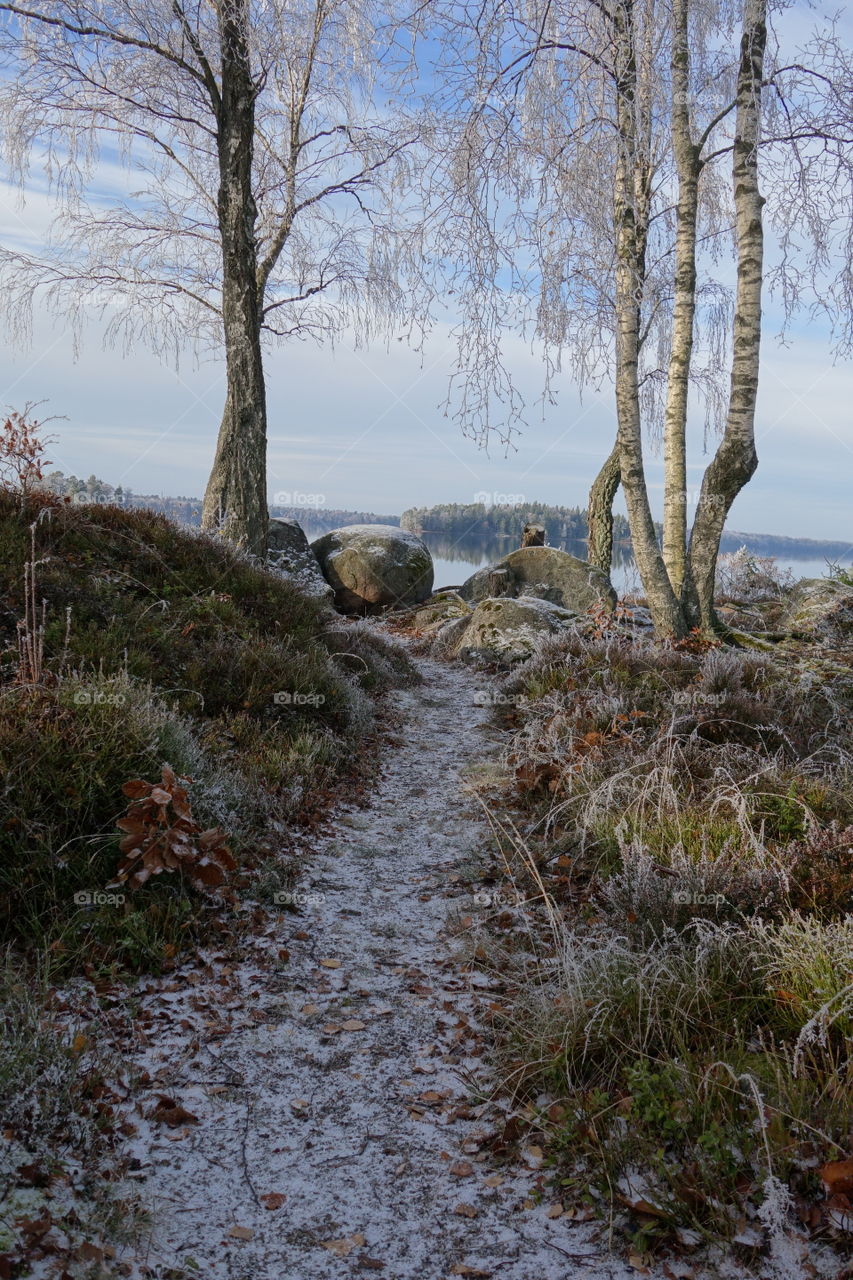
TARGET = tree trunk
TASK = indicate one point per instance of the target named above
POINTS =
(600, 513)
(736, 460)
(684, 307)
(235, 501)
(663, 604)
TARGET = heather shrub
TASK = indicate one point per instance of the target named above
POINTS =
(157, 647)
(680, 1022)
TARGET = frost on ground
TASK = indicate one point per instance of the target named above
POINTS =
(331, 1121)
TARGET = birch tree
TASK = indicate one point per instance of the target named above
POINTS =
(257, 159)
(629, 140)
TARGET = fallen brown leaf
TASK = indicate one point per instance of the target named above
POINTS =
(241, 1233)
(837, 1176)
(273, 1200)
(170, 1112)
(343, 1248)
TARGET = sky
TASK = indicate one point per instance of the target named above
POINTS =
(366, 429)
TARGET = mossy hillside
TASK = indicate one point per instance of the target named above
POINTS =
(161, 646)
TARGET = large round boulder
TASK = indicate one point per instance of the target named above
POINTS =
(371, 566)
(290, 555)
(508, 629)
(545, 573)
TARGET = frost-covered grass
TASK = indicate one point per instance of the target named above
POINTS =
(61, 1150)
(160, 647)
(684, 1004)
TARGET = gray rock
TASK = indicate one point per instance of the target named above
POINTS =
(444, 637)
(290, 555)
(438, 609)
(546, 573)
(821, 608)
(508, 629)
(371, 566)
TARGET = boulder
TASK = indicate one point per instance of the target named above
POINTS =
(438, 609)
(371, 566)
(820, 608)
(508, 629)
(289, 553)
(546, 573)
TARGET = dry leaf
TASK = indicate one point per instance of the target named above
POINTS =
(462, 1169)
(466, 1210)
(169, 1112)
(241, 1233)
(343, 1248)
(273, 1200)
(353, 1024)
(837, 1177)
(330, 964)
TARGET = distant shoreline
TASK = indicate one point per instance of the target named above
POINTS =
(187, 511)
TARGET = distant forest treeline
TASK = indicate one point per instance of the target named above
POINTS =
(188, 510)
(569, 524)
(562, 524)
(456, 519)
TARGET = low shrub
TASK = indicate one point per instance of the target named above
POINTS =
(685, 1001)
(159, 647)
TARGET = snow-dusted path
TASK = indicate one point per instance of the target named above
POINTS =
(336, 1101)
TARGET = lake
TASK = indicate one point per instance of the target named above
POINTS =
(455, 559)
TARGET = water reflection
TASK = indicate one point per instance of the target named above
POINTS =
(456, 558)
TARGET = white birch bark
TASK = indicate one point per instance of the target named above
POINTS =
(736, 459)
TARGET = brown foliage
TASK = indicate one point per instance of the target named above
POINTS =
(22, 459)
(161, 835)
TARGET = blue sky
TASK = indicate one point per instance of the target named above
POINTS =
(365, 429)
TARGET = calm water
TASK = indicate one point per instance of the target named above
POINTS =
(456, 559)
(454, 562)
